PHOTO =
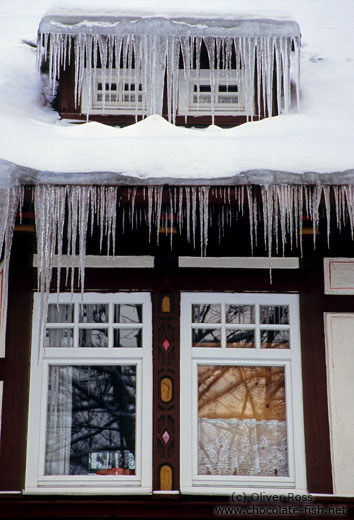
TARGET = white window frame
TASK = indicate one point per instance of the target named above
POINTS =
(141, 482)
(222, 77)
(290, 359)
(91, 104)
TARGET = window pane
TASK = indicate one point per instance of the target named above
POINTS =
(91, 420)
(206, 338)
(242, 421)
(275, 339)
(128, 338)
(274, 314)
(93, 338)
(240, 338)
(210, 313)
(94, 313)
(59, 338)
(202, 99)
(240, 314)
(202, 88)
(228, 88)
(128, 313)
(60, 313)
(228, 100)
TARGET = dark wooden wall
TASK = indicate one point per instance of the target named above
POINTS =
(165, 279)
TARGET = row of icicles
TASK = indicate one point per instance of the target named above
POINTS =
(146, 59)
(279, 208)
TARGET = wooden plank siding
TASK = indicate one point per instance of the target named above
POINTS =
(166, 278)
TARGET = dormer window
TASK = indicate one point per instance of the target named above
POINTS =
(223, 96)
(117, 93)
(179, 67)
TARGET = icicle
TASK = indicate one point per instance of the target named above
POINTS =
(60, 203)
(203, 196)
(169, 219)
(173, 53)
(11, 200)
(149, 53)
(300, 217)
(337, 206)
(326, 194)
(46, 215)
(150, 206)
(187, 46)
(251, 214)
(296, 44)
(83, 219)
(209, 43)
(111, 217)
(194, 212)
(158, 194)
(188, 212)
(316, 199)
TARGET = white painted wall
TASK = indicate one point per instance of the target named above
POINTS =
(340, 374)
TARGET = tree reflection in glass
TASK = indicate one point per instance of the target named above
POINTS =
(91, 419)
(242, 420)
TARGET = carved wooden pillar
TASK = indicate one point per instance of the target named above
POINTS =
(166, 312)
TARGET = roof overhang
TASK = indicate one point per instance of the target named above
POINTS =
(243, 26)
(13, 174)
(237, 23)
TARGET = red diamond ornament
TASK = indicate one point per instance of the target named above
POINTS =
(166, 344)
(166, 436)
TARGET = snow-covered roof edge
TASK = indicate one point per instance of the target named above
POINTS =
(242, 24)
(13, 174)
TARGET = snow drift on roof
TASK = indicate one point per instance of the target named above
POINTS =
(73, 20)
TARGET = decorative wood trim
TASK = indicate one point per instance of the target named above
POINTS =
(239, 262)
(103, 262)
(166, 390)
(339, 275)
(317, 443)
(340, 365)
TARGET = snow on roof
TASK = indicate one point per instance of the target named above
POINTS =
(313, 146)
(108, 19)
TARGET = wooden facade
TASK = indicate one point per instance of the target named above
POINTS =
(165, 282)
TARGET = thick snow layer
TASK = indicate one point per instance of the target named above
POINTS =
(318, 140)
(111, 18)
(208, 9)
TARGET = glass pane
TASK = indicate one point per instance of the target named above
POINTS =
(210, 313)
(274, 314)
(128, 338)
(206, 338)
(128, 313)
(240, 338)
(91, 420)
(228, 88)
(59, 338)
(63, 313)
(93, 338)
(228, 100)
(242, 421)
(94, 313)
(202, 99)
(240, 314)
(202, 88)
(275, 339)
